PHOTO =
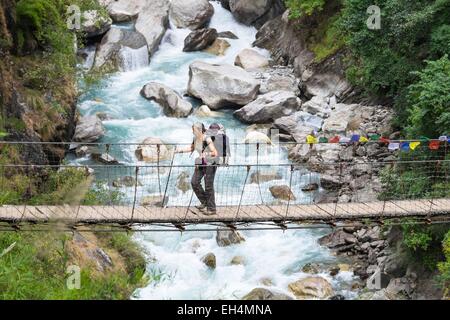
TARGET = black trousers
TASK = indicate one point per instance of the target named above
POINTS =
(206, 196)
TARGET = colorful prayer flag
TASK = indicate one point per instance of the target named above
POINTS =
(424, 138)
(443, 138)
(374, 137)
(384, 140)
(393, 146)
(434, 145)
(335, 139)
(344, 140)
(311, 139)
(363, 139)
(404, 146)
(323, 140)
(355, 138)
(413, 145)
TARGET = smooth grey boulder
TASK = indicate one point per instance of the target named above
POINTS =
(255, 12)
(226, 238)
(265, 294)
(192, 14)
(221, 85)
(199, 39)
(298, 124)
(152, 22)
(250, 59)
(110, 51)
(124, 10)
(88, 129)
(227, 35)
(268, 107)
(172, 103)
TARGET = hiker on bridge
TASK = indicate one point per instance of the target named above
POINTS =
(206, 166)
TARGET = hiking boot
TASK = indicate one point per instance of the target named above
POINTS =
(201, 208)
(210, 212)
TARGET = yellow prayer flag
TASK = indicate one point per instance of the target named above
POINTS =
(311, 139)
(363, 139)
(414, 144)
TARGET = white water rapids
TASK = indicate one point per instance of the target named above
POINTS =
(272, 259)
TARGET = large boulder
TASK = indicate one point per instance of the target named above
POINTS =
(253, 137)
(298, 125)
(226, 238)
(148, 150)
(221, 85)
(199, 39)
(339, 119)
(218, 47)
(282, 192)
(268, 107)
(317, 106)
(277, 78)
(254, 12)
(88, 129)
(265, 294)
(124, 10)
(112, 51)
(172, 103)
(94, 24)
(153, 22)
(192, 14)
(337, 239)
(251, 59)
(311, 288)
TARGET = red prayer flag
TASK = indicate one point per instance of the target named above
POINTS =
(335, 139)
(385, 140)
(434, 145)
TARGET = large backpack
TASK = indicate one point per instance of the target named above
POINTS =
(221, 141)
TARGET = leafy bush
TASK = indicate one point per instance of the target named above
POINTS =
(429, 97)
(298, 8)
(444, 267)
(440, 41)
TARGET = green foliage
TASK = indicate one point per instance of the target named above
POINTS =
(100, 194)
(424, 242)
(35, 268)
(329, 39)
(440, 41)
(429, 97)
(298, 8)
(444, 267)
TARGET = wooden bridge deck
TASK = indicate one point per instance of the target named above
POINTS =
(245, 214)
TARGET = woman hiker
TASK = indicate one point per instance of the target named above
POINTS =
(205, 167)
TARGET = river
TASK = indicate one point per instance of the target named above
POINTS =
(270, 258)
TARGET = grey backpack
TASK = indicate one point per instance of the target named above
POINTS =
(221, 142)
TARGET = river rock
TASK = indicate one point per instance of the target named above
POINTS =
(339, 119)
(126, 181)
(226, 238)
(94, 24)
(148, 150)
(254, 12)
(218, 47)
(172, 103)
(282, 192)
(104, 158)
(183, 182)
(310, 187)
(337, 239)
(251, 59)
(268, 107)
(254, 137)
(277, 78)
(192, 14)
(205, 112)
(264, 176)
(221, 85)
(311, 267)
(88, 129)
(317, 106)
(154, 201)
(209, 260)
(124, 10)
(237, 260)
(153, 22)
(311, 288)
(110, 52)
(299, 124)
(227, 35)
(199, 39)
(265, 294)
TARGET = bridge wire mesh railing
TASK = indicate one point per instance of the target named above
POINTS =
(245, 192)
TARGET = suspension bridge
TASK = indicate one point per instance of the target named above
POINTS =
(259, 187)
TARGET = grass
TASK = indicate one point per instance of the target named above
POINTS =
(35, 267)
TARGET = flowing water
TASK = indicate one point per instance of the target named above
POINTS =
(271, 258)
